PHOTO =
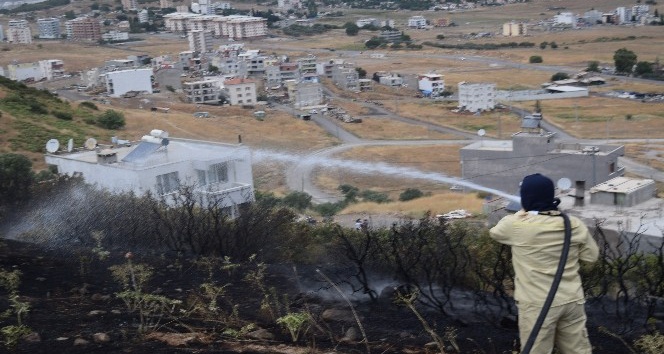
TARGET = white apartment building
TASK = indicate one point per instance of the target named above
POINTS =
(234, 26)
(431, 85)
(120, 82)
(623, 14)
(202, 7)
(49, 28)
(417, 22)
(367, 22)
(25, 71)
(165, 4)
(220, 173)
(143, 16)
(514, 29)
(476, 97)
(129, 5)
(240, 91)
(113, 36)
(202, 92)
(18, 31)
(200, 41)
(390, 79)
(36, 71)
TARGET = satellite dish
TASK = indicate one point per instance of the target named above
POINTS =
(70, 145)
(481, 132)
(164, 142)
(564, 183)
(52, 145)
(90, 144)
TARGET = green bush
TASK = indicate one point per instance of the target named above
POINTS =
(111, 120)
(373, 196)
(88, 104)
(297, 200)
(63, 115)
(535, 59)
(410, 194)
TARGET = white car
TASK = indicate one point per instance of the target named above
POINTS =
(313, 111)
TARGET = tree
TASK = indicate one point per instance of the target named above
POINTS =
(559, 76)
(312, 9)
(297, 200)
(16, 178)
(554, 45)
(538, 107)
(352, 29)
(624, 60)
(535, 59)
(543, 45)
(111, 120)
(361, 72)
(374, 42)
(643, 68)
(593, 66)
(70, 15)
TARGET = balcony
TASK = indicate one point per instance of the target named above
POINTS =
(226, 193)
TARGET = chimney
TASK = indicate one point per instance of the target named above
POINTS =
(580, 193)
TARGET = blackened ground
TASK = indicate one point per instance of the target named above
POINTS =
(65, 288)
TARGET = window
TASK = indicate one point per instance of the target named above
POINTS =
(612, 167)
(168, 183)
(201, 177)
(247, 88)
(218, 173)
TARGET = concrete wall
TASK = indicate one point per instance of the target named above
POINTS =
(503, 169)
(129, 80)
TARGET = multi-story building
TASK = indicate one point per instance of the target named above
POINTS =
(592, 17)
(230, 66)
(417, 22)
(307, 68)
(165, 4)
(129, 5)
(390, 79)
(367, 22)
(114, 36)
(431, 85)
(475, 97)
(49, 28)
(365, 84)
(390, 35)
(346, 77)
(202, 92)
(2, 33)
(305, 94)
(121, 82)
(513, 29)
(18, 31)
(144, 16)
(200, 41)
(220, 173)
(83, 29)
(240, 91)
(623, 14)
(41, 70)
(233, 27)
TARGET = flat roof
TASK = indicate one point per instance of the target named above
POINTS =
(498, 145)
(621, 185)
(566, 88)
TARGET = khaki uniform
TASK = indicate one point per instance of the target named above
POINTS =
(537, 242)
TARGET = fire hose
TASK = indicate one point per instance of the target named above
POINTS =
(554, 286)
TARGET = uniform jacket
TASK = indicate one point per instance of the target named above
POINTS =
(537, 242)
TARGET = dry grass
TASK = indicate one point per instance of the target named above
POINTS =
(601, 118)
(443, 159)
(436, 204)
(648, 153)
